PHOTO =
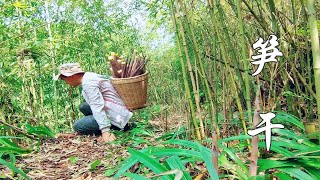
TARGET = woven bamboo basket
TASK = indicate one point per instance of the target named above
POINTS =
(133, 90)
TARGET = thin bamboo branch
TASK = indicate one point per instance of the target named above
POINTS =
(18, 130)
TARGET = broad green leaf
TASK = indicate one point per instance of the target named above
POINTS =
(208, 160)
(175, 162)
(231, 167)
(285, 117)
(13, 168)
(297, 173)
(8, 143)
(283, 176)
(241, 137)
(155, 166)
(261, 177)
(73, 160)
(14, 150)
(165, 136)
(235, 158)
(12, 158)
(40, 130)
(135, 176)
(125, 166)
(109, 172)
(178, 152)
(265, 164)
(292, 135)
(95, 164)
(275, 147)
(307, 151)
(185, 143)
(11, 137)
(315, 173)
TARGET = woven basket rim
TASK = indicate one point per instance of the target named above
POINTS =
(134, 77)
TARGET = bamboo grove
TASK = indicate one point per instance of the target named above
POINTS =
(206, 75)
(215, 57)
(217, 53)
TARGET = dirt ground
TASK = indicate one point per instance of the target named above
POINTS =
(71, 158)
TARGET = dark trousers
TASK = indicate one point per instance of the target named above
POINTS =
(88, 125)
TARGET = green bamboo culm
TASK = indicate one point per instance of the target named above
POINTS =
(190, 69)
(53, 63)
(315, 49)
(184, 73)
(231, 49)
(190, 24)
(245, 62)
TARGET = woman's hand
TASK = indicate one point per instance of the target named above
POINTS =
(108, 137)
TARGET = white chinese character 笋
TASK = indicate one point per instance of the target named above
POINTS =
(267, 54)
(266, 119)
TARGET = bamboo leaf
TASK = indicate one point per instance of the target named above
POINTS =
(175, 162)
(8, 143)
(125, 166)
(13, 168)
(177, 152)
(265, 164)
(285, 117)
(185, 143)
(314, 172)
(235, 158)
(283, 176)
(241, 137)
(14, 150)
(95, 164)
(135, 176)
(297, 173)
(208, 160)
(275, 146)
(155, 166)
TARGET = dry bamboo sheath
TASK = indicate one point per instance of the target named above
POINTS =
(122, 68)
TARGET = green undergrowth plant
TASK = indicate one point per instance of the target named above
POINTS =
(10, 149)
(8, 152)
(292, 156)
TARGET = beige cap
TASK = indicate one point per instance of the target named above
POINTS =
(68, 69)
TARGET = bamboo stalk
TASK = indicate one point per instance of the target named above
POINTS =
(260, 21)
(193, 82)
(202, 73)
(255, 139)
(245, 62)
(310, 104)
(273, 17)
(315, 49)
(53, 63)
(224, 55)
(231, 49)
(184, 73)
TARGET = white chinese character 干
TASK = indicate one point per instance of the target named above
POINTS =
(266, 119)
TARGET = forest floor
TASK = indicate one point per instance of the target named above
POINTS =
(83, 157)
